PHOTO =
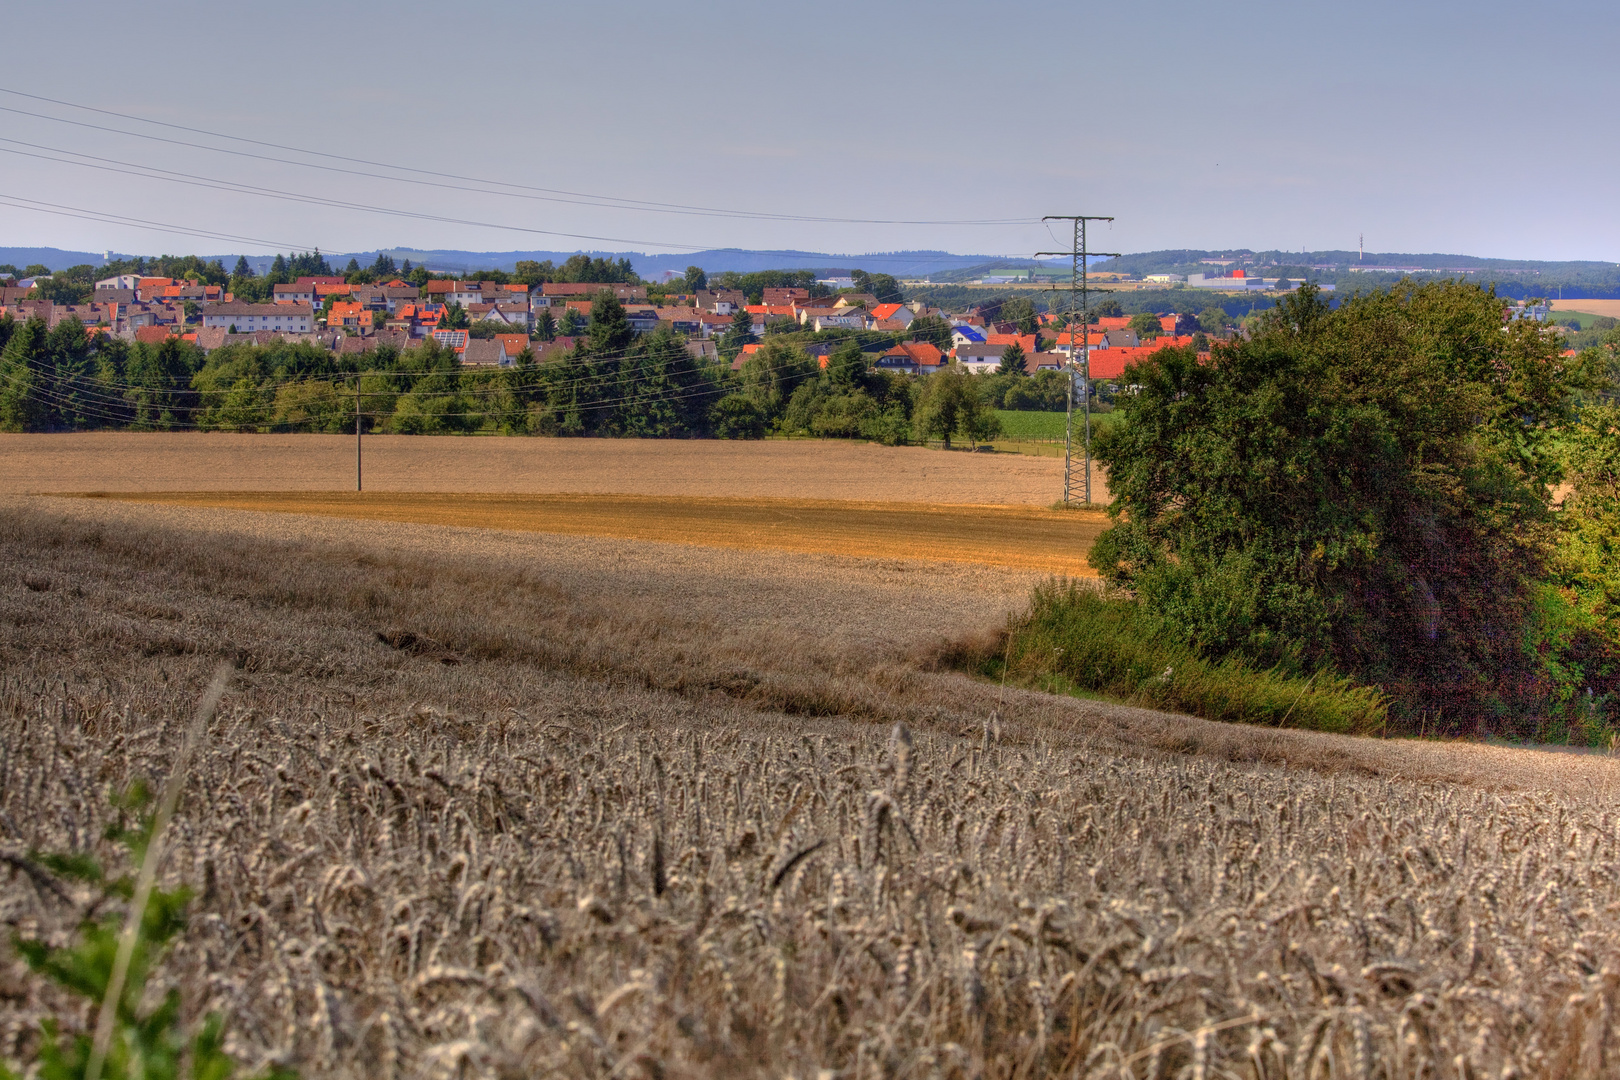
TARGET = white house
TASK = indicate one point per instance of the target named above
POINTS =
(248, 318)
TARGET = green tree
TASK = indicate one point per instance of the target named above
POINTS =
(1213, 320)
(738, 416)
(773, 373)
(610, 331)
(1012, 361)
(545, 327)
(882, 286)
(932, 329)
(454, 317)
(60, 289)
(738, 334)
(950, 405)
(1147, 325)
(1020, 311)
(696, 280)
(1107, 309)
(22, 406)
(1587, 566)
(1364, 488)
(573, 323)
(243, 269)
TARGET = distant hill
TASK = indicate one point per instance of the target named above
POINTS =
(898, 263)
(55, 258)
(1512, 277)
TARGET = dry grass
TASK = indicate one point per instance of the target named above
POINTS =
(1030, 538)
(802, 469)
(611, 839)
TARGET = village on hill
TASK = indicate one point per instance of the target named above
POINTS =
(492, 322)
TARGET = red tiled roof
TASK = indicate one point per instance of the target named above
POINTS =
(1027, 342)
(884, 311)
(920, 353)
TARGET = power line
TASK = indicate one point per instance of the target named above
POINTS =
(549, 194)
(108, 218)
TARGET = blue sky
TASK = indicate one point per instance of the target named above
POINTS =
(1482, 128)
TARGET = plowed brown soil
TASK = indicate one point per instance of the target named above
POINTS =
(1026, 537)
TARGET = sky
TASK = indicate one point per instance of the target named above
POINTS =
(1471, 128)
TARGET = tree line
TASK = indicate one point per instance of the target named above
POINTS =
(613, 382)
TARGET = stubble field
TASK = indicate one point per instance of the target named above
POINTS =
(515, 803)
(773, 469)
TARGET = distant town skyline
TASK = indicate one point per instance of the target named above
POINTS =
(1441, 127)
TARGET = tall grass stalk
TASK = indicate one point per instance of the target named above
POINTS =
(1074, 638)
(107, 1017)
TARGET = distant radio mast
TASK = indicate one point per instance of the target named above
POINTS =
(1361, 247)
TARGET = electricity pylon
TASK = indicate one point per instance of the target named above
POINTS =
(1079, 308)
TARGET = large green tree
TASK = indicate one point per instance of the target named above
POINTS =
(1013, 361)
(1365, 487)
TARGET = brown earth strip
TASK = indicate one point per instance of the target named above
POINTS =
(1026, 537)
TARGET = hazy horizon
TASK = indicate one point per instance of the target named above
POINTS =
(1437, 128)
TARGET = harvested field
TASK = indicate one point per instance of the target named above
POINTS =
(1030, 538)
(600, 807)
(800, 469)
(1610, 308)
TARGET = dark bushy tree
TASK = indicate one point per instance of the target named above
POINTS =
(1365, 487)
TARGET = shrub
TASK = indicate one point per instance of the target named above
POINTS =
(737, 416)
(1075, 638)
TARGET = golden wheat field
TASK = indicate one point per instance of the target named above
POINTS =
(777, 468)
(512, 802)
(1028, 537)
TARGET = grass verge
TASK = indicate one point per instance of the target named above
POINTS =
(1073, 640)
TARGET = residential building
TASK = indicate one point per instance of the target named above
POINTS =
(452, 339)
(510, 314)
(247, 318)
(720, 301)
(482, 352)
(979, 356)
(890, 317)
(836, 319)
(913, 357)
(349, 313)
(582, 288)
(293, 294)
(784, 297)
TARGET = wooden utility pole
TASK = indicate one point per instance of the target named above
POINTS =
(357, 485)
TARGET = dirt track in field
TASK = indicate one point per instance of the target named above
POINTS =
(775, 468)
(1024, 537)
